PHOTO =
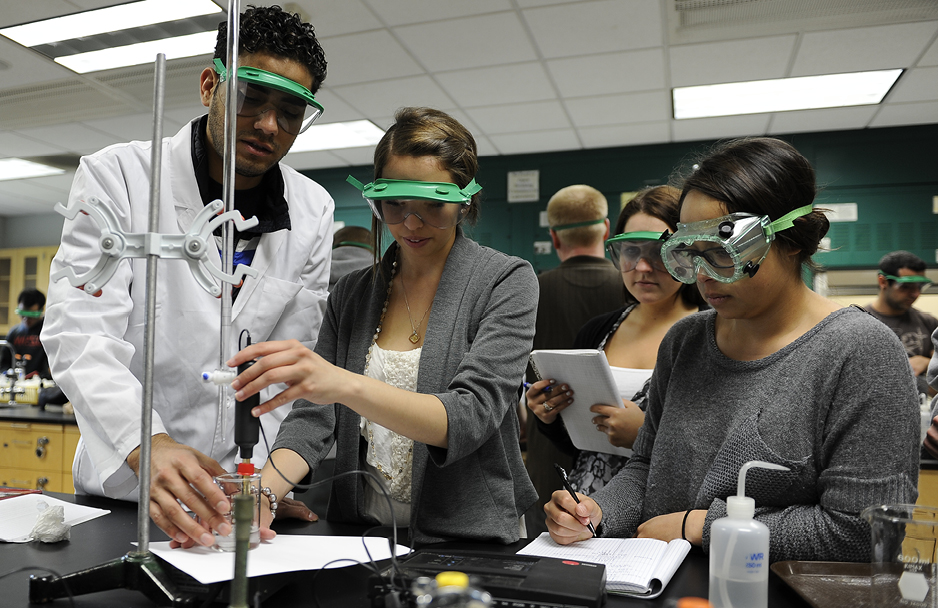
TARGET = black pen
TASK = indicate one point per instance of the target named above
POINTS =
(566, 485)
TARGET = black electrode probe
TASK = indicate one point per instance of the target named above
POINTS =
(247, 427)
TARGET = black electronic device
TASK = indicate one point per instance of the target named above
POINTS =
(512, 580)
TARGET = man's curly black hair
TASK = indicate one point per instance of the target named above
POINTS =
(272, 30)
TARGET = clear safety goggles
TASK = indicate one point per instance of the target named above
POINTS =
(260, 91)
(724, 248)
(32, 314)
(628, 248)
(914, 282)
(393, 200)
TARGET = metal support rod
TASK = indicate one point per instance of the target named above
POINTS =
(228, 196)
(153, 256)
(245, 506)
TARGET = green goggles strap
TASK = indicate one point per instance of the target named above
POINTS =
(33, 314)
(788, 220)
(577, 224)
(913, 278)
(641, 235)
(269, 79)
(404, 189)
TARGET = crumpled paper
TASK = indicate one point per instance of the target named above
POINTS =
(50, 526)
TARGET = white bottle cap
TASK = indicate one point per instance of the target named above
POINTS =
(740, 507)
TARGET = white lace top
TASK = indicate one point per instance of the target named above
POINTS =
(390, 455)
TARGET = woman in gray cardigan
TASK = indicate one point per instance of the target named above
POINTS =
(417, 366)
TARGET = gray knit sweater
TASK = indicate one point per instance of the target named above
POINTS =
(474, 355)
(837, 406)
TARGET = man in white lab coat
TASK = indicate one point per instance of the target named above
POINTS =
(95, 344)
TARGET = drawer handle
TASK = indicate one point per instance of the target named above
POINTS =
(21, 442)
(41, 483)
(41, 444)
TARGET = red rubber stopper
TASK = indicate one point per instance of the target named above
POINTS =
(246, 468)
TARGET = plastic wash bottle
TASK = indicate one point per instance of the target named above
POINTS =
(739, 550)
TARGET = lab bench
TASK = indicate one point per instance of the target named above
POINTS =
(37, 448)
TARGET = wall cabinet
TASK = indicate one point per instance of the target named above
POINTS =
(19, 269)
(37, 455)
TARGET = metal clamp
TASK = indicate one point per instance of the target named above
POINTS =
(192, 246)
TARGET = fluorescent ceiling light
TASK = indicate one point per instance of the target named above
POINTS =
(121, 17)
(336, 135)
(17, 168)
(140, 53)
(783, 94)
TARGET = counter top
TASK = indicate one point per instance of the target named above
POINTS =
(52, 414)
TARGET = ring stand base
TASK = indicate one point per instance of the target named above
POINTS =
(134, 571)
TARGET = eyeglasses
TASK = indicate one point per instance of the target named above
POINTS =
(628, 248)
(260, 91)
(913, 282)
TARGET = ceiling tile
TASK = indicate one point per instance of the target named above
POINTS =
(137, 126)
(335, 109)
(730, 61)
(381, 98)
(868, 48)
(16, 13)
(536, 141)
(356, 156)
(533, 3)
(896, 114)
(34, 191)
(180, 116)
(517, 118)
(609, 73)
(22, 67)
(73, 137)
(612, 136)
(313, 160)
(919, 84)
(498, 85)
(469, 42)
(718, 128)
(931, 55)
(398, 12)
(337, 18)
(619, 109)
(600, 26)
(353, 58)
(828, 119)
(12, 144)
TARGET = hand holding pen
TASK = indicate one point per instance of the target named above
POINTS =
(569, 489)
(546, 400)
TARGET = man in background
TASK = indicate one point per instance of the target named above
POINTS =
(901, 281)
(351, 250)
(24, 338)
(585, 285)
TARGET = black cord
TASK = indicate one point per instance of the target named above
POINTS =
(71, 598)
(392, 542)
(241, 335)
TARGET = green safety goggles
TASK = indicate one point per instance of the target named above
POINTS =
(32, 314)
(628, 248)
(724, 248)
(260, 91)
(393, 200)
(915, 282)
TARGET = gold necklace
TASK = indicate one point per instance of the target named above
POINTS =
(414, 337)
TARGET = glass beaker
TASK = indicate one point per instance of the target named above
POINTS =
(233, 484)
(903, 555)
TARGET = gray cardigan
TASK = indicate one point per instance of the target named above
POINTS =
(838, 406)
(475, 350)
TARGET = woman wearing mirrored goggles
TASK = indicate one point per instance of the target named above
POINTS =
(775, 372)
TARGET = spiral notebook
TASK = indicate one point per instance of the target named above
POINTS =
(638, 567)
(588, 374)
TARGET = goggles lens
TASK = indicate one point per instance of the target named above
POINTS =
(260, 91)
(914, 282)
(393, 200)
(724, 248)
(628, 248)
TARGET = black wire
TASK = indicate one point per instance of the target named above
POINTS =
(392, 542)
(241, 335)
(71, 598)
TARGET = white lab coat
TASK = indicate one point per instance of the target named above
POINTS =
(95, 345)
